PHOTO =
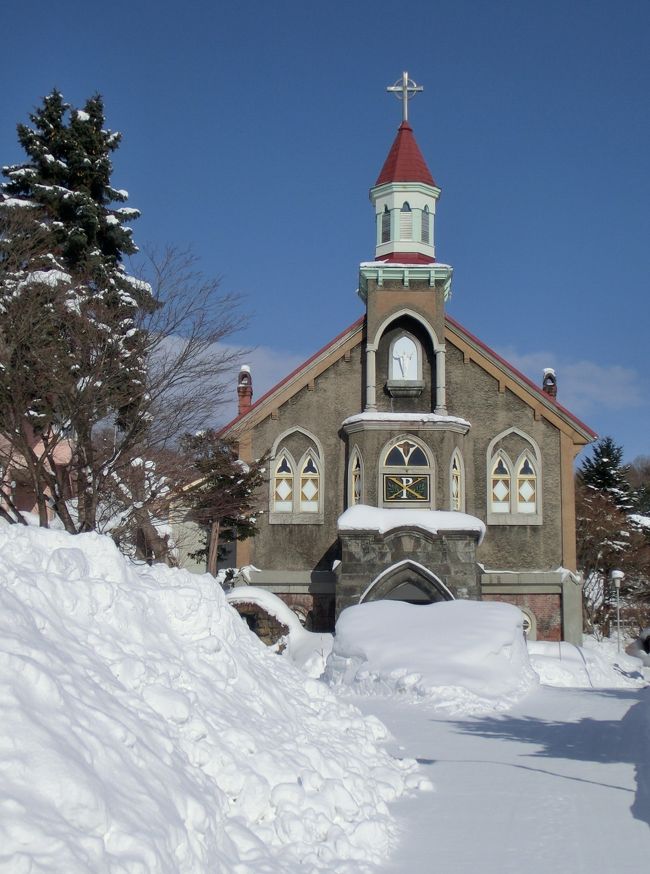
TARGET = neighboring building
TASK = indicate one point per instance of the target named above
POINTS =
(395, 446)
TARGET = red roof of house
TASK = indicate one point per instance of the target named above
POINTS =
(405, 162)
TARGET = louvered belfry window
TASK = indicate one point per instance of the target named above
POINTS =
(405, 222)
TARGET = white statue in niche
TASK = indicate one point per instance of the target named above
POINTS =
(404, 363)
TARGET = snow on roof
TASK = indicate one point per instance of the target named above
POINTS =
(375, 416)
(245, 367)
(383, 519)
(382, 263)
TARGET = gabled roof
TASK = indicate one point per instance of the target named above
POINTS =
(474, 350)
(405, 162)
(299, 378)
(511, 378)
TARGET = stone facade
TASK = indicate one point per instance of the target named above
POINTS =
(407, 410)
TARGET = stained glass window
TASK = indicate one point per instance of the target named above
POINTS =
(526, 488)
(356, 480)
(283, 486)
(309, 486)
(500, 487)
(456, 485)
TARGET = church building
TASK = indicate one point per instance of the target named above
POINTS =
(407, 459)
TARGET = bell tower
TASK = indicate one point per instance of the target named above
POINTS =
(405, 288)
(405, 194)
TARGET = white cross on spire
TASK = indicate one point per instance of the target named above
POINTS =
(405, 89)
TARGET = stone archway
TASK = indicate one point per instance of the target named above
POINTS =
(407, 581)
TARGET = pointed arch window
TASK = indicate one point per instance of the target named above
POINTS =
(355, 487)
(309, 485)
(514, 488)
(385, 225)
(405, 222)
(500, 485)
(426, 225)
(406, 474)
(526, 486)
(296, 486)
(457, 483)
(283, 484)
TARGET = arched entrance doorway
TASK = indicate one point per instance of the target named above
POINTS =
(407, 581)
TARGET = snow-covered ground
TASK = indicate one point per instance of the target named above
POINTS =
(560, 783)
(145, 729)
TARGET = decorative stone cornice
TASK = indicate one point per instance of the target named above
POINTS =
(434, 275)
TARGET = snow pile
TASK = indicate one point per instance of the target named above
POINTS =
(462, 656)
(306, 649)
(144, 728)
(596, 665)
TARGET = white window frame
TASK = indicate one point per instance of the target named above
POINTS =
(532, 453)
(407, 471)
(300, 513)
(458, 457)
(355, 455)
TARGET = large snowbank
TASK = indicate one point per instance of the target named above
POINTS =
(462, 656)
(144, 728)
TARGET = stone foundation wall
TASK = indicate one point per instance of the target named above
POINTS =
(265, 626)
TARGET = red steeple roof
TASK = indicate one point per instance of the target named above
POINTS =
(405, 162)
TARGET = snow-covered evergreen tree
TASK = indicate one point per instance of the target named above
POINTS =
(605, 472)
(72, 352)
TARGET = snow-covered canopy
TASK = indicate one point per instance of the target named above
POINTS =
(407, 418)
(382, 519)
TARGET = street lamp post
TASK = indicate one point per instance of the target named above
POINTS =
(616, 577)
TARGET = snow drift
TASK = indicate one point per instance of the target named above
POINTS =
(462, 656)
(144, 728)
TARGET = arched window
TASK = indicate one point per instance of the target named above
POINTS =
(526, 486)
(406, 474)
(514, 489)
(405, 222)
(283, 484)
(296, 487)
(500, 488)
(355, 484)
(309, 485)
(385, 225)
(426, 226)
(457, 482)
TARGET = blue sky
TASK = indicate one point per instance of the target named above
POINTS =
(253, 131)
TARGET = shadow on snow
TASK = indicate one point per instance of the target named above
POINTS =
(604, 741)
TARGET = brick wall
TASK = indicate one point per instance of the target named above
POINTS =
(547, 610)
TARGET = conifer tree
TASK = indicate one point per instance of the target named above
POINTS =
(605, 472)
(72, 352)
(225, 497)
